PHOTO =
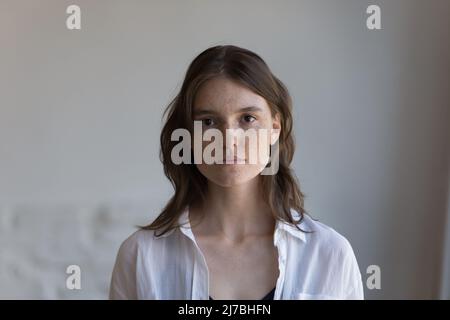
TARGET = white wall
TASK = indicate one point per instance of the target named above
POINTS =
(80, 116)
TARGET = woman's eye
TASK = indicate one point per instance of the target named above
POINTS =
(249, 119)
(208, 122)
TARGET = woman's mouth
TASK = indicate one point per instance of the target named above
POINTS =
(233, 160)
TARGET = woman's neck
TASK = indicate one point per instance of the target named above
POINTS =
(235, 213)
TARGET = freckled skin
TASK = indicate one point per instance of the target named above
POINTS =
(225, 98)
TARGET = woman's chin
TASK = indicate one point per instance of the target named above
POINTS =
(231, 175)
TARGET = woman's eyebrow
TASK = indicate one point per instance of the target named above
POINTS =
(244, 109)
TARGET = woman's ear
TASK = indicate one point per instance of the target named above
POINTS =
(276, 128)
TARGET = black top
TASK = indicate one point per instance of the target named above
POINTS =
(268, 296)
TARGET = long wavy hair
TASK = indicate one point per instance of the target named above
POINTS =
(281, 191)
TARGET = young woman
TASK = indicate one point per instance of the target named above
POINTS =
(233, 230)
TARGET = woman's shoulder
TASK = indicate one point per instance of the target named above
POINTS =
(138, 239)
(332, 255)
(124, 275)
(146, 241)
(324, 236)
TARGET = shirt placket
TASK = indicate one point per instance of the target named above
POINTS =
(280, 244)
(200, 285)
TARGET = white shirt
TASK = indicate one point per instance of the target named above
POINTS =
(318, 265)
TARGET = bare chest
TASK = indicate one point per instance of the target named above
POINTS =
(245, 271)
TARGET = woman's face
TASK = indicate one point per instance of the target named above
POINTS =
(224, 104)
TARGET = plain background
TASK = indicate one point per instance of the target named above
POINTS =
(80, 117)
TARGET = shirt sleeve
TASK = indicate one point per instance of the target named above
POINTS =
(353, 285)
(123, 279)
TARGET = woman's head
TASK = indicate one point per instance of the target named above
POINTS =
(228, 87)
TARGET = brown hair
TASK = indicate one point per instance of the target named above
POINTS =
(282, 191)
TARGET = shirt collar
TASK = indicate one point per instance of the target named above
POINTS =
(291, 229)
(185, 226)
